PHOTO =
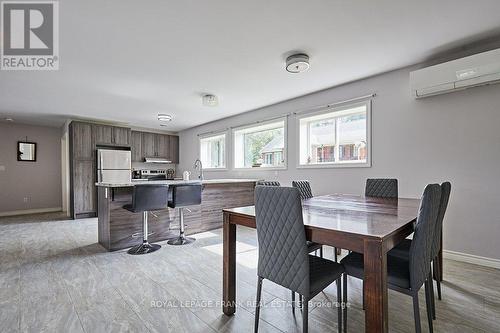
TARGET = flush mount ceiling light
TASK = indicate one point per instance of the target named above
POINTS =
(297, 63)
(164, 117)
(9, 119)
(210, 100)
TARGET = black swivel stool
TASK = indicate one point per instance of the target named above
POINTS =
(183, 195)
(146, 198)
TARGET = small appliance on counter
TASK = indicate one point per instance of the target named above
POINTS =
(170, 174)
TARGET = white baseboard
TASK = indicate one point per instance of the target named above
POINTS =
(472, 259)
(31, 211)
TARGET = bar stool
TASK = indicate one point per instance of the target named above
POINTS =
(183, 195)
(144, 199)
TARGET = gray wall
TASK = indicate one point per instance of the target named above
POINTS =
(39, 181)
(453, 137)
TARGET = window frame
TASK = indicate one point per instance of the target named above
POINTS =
(226, 150)
(283, 119)
(344, 107)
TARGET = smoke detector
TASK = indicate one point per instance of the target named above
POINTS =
(210, 100)
(297, 63)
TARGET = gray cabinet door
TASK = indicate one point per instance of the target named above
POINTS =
(103, 134)
(136, 146)
(148, 144)
(174, 149)
(81, 141)
(121, 136)
(163, 146)
(83, 187)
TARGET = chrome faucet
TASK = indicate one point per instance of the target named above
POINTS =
(199, 165)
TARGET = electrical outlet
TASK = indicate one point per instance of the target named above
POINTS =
(25, 199)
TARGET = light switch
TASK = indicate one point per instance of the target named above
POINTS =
(2, 168)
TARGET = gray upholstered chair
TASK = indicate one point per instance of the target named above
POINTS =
(408, 275)
(381, 188)
(304, 188)
(402, 250)
(283, 253)
(268, 183)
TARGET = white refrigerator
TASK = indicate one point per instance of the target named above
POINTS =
(114, 166)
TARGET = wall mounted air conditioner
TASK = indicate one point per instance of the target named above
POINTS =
(476, 70)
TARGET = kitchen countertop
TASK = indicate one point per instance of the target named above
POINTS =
(175, 182)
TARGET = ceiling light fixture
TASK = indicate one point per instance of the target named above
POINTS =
(164, 117)
(297, 63)
(9, 119)
(210, 100)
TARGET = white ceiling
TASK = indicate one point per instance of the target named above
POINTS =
(127, 61)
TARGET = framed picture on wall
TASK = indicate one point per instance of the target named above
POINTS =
(26, 151)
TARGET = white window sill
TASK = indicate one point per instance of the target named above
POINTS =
(334, 165)
(261, 169)
(215, 169)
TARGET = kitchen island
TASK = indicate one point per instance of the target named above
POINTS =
(116, 225)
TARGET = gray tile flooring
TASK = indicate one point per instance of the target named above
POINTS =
(54, 277)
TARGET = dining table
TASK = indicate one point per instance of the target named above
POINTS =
(368, 225)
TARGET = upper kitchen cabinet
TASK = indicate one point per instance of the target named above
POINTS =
(121, 136)
(163, 146)
(111, 135)
(81, 147)
(148, 145)
(174, 149)
(136, 146)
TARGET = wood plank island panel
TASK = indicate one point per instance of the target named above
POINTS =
(117, 225)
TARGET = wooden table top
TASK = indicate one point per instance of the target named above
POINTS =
(366, 216)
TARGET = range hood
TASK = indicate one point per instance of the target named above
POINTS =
(156, 160)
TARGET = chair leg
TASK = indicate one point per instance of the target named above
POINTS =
(339, 304)
(300, 301)
(335, 253)
(431, 295)
(344, 303)
(321, 252)
(257, 304)
(437, 269)
(416, 313)
(428, 304)
(293, 301)
(305, 314)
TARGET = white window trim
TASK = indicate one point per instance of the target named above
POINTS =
(346, 164)
(285, 150)
(226, 149)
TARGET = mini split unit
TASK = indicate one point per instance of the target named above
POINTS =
(476, 70)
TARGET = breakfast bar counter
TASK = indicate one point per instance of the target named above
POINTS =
(116, 225)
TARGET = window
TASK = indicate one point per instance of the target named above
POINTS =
(335, 137)
(213, 151)
(260, 146)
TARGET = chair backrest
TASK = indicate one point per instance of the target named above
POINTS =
(185, 195)
(149, 197)
(304, 188)
(381, 188)
(445, 197)
(423, 237)
(283, 256)
(268, 183)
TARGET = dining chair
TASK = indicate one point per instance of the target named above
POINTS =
(381, 188)
(268, 183)
(304, 188)
(402, 250)
(283, 253)
(407, 275)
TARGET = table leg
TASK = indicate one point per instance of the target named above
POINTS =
(375, 284)
(229, 266)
